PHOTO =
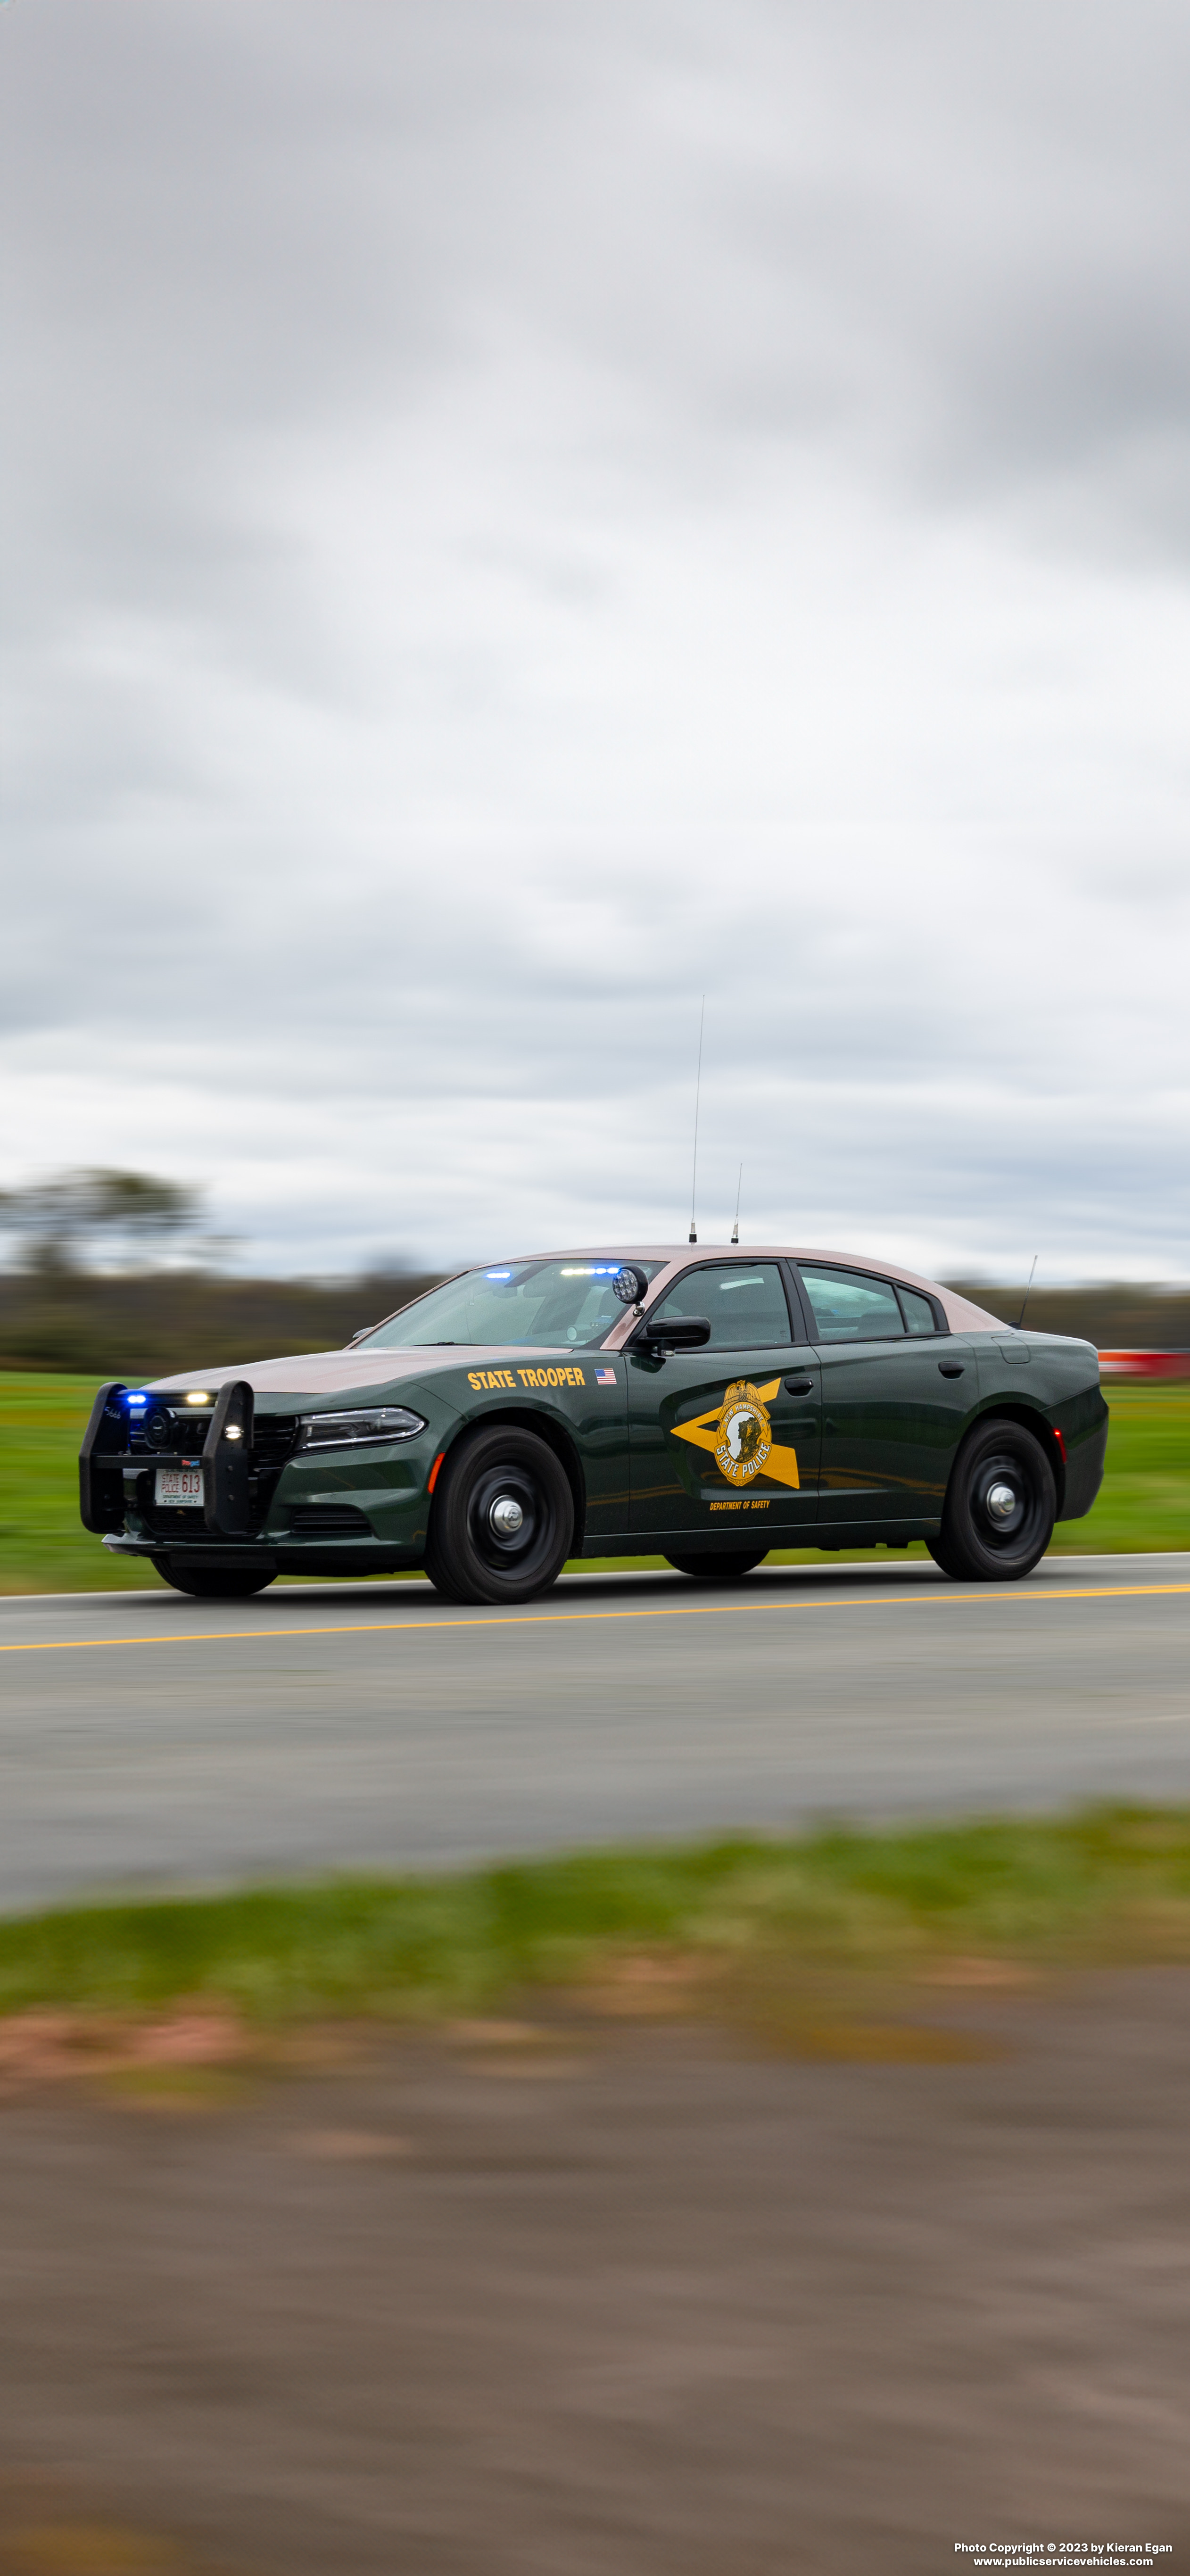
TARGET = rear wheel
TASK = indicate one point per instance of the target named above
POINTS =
(502, 1525)
(718, 1565)
(1000, 1506)
(213, 1582)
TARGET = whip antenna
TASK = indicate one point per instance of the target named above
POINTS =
(1025, 1299)
(697, 1089)
(735, 1231)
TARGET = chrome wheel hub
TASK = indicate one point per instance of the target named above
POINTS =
(1001, 1502)
(506, 1516)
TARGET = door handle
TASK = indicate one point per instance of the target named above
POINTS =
(799, 1386)
(950, 1368)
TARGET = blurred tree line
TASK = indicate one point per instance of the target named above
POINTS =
(1125, 1316)
(110, 1272)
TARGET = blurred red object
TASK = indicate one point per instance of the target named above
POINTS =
(1144, 1363)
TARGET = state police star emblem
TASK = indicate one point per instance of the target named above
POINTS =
(745, 1434)
(739, 1435)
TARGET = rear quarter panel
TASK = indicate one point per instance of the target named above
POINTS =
(1054, 1381)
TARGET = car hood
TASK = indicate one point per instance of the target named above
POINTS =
(361, 1374)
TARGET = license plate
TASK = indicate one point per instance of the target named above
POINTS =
(180, 1485)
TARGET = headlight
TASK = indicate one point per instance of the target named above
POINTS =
(348, 1430)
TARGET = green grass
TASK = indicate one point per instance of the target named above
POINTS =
(43, 1545)
(1145, 1501)
(1107, 1885)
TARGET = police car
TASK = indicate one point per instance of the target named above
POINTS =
(699, 1404)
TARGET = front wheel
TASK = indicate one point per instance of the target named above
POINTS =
(502, 1525)
(213, 1582)
(718, 1565)
(1000, 1507)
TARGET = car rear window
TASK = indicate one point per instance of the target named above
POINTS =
(918, 1312)
(848, 1306)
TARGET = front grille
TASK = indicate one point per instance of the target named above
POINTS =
(330, 1520)
(178, 1429)
(163, 1520)
(274, 1436)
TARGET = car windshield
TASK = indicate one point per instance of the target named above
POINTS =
(553, 1305)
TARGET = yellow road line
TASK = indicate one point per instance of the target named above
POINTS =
(565, 1618)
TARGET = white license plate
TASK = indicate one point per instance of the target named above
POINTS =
(180, 1485)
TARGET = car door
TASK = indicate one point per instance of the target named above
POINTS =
(897, 1393)
(726, 1438)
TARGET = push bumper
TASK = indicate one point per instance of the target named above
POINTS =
(225, 1460)
(237, 1524)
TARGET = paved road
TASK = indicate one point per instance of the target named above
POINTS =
(146, 1739)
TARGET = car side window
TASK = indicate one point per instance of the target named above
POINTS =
(849, 1307)
(745, 1301)
(918, 1312)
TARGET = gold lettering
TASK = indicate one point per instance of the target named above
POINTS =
(475, 1379)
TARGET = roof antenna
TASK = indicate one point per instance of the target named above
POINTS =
(735, 1231)
(1025, 1299)
(697, 1089)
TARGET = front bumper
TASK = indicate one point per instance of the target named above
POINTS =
(266, 1502)
(313, 1556)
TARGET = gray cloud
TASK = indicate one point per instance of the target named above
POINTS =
(530, 515)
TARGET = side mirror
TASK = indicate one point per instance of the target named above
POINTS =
(673, 1333)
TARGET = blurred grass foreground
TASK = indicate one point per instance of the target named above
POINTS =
(716, 1925)
(1144, 1503)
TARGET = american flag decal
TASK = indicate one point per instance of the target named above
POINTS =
(605, 1377)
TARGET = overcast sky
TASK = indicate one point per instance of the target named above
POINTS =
(522, 514)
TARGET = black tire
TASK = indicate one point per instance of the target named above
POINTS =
(718, 1565)
(213, 1582)
(468, 1558)
(986, 1540)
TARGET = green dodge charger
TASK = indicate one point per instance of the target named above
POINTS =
(702, 1405)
